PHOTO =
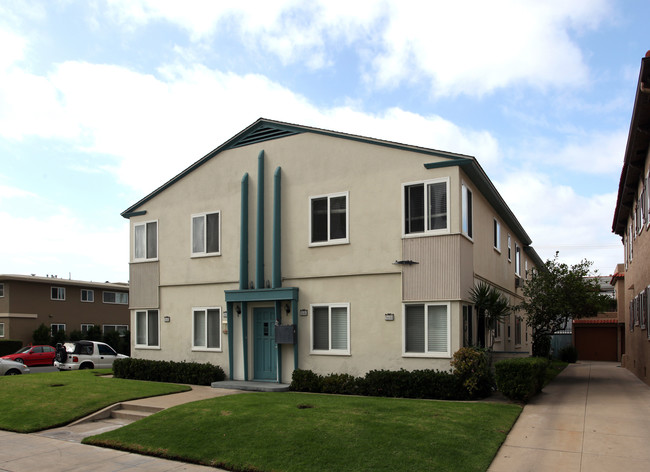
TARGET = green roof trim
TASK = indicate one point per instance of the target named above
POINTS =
(456, 162)
(265, 130)
(134, 213)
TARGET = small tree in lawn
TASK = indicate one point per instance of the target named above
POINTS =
(556, 294)
(491, 305)
(41, 334)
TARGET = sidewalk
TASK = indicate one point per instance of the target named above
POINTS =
(595, 416)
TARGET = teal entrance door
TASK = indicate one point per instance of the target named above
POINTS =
(264, 348)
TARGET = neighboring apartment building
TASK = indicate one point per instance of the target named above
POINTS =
(294, 247)
(632, 223)
(26, 301)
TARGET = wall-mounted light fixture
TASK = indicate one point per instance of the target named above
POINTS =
(287, 308)
(389, 316)
(238, 309)
(167, 319)
(304, 312)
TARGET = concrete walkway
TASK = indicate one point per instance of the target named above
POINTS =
(595, 416)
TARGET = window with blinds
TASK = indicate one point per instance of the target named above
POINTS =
(206, 329)
(426, 329)
(329, 219)
(426, 207)
(147, 333)
(145, 241)
(330, 332)
(206, 232)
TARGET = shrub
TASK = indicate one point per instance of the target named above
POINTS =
(41, 335)
(8, 346)
(542, 347)
(472, 368)
(192, 373)
(384, 383)
(305, 381)
(520, 379)
(569, 354)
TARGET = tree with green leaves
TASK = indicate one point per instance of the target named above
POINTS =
(492, 307)
(555, 294)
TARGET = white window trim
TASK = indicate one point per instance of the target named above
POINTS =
(521, 330)
(2, 330)
(470, 218)
(205, 348)
(58, 288)
(92, 292)
(329, 352)
(509, 248)
(116, 293)
(2, 290)
(431, 232)
(497, 225)
(126, 327)
(87, 325)
(146, 346)
(204, 253)
(65, 328)
(331, 242)
(430, 354)
(145, 259)
(517, 260)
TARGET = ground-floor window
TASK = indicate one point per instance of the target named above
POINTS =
(122, 329)
(147, 328)
(426, 330)
(2, 330)
(86, 327)
(330, 328)
(468, 325)
(517, 330)
(57, 327)
(206, 328)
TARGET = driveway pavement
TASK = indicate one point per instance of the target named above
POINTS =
(595, 416)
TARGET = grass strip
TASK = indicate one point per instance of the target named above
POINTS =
(41, 401)
(310, 432)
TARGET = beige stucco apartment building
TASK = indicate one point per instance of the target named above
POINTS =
(294, 247)
(26, 301)
(632, 223)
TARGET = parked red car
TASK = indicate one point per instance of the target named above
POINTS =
(33, 355)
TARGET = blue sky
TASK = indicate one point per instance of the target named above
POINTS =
(103, 101)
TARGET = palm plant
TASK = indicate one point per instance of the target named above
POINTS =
(492, 307)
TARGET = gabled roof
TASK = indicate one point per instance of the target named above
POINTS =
(636, 150)
(264, 130)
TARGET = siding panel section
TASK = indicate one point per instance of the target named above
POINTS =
(144, 281)
(436, 276)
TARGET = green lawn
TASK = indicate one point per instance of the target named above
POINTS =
(40, 401)
(309, 432)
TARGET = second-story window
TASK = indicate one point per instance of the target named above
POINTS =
(57, 293)
(426, 207)
(329, 219)
(206, 230)
(120, 298)
(468, 228)
(517, 259)
(497, 235)
(145, 240)
(87, 295)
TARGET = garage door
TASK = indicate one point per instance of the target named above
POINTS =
(596, 343)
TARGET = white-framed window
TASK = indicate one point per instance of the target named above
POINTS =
(119, 298)
(206, 234)
(509, 248)
(57, 293)
(426, 207)
(517, 330)
(2, 290)
(2, 330)
(647, 199)
(647, 308)
(87, 295)
(427, 330)
(330, 328)
(56, 327)
(526, 268)
(145, 241)
(206, 329)
(122, 329)
(467, 202)
(147, 329)
(642, 308)
(517, 260)
(498, 330)
(496, 235)
(86, 327)
(329, 219)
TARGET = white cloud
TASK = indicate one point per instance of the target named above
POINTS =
(558, 219)
(7, 192)
(470, 48)
(62, 244)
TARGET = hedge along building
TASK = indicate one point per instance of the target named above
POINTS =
(294, 247)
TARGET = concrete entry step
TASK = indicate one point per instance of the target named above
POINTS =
(133, 412)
